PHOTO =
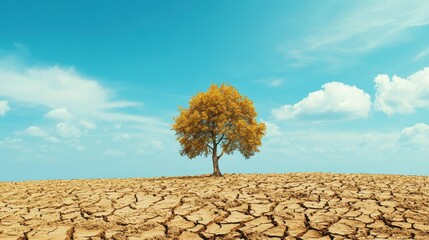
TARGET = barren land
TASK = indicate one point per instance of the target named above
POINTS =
(237, 206)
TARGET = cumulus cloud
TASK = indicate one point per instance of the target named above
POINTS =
(336, 101)
(4, 107)
(65, 130)
(272, 129)
(417, 135)
(68, 130)
(39, 132)
(402, 95)
(36, 131)
(60, 114)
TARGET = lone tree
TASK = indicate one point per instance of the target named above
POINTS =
(218, 120)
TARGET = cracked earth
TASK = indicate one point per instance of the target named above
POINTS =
(255, 206)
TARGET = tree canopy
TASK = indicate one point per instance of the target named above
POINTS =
(219, 119)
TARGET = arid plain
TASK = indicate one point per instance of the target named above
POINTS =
(237, 206)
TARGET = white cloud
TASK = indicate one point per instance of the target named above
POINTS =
(55, 87)
(417, 135)
(157, 144)
(63, 87)
(4, 107)
(336, 101)
(122, 137)
(275, 82)
(60, 114)
(361, 28)
(11, 140)
(402, 95)
(319, 145)
(87, 124)
(68, 130)
(271, 82)
(36, 131)
(421, 55)
(272, 129)
(12, 143)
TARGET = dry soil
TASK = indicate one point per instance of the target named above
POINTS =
(255, 206)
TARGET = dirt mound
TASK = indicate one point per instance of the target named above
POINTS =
(254, 206)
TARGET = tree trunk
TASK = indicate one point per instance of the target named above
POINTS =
(216, 171)
(215, 158)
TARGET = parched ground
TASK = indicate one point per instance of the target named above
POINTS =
(256, 206)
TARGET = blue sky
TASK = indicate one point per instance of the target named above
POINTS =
(90, 89)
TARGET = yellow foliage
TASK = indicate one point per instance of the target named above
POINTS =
(222, 118)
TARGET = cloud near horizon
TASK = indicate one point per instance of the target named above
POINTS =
(4, 107)
(272, 130)
(417, 135)
(36, 131)
(73, 112)
(402, 95)
(336, 101)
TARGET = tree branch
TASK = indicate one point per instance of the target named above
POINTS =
(220, 139)
(209, 146)
(223, 150)
(218, 157)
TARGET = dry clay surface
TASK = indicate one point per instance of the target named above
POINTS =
(256, 206)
